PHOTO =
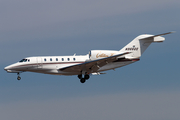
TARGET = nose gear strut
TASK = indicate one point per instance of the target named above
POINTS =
(18, 78)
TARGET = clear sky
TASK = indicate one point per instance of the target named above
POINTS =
(146, 90)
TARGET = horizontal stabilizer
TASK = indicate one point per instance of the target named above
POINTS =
(156, 38)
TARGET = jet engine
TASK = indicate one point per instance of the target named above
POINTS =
(99, 54)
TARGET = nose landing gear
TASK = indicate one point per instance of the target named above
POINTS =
(18, 78)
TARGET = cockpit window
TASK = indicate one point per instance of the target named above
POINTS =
(24, 60)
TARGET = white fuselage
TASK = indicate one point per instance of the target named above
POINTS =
(52, 64)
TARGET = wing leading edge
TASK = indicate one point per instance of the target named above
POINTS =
(92, 66)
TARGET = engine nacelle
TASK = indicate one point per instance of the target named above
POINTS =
(98, 54)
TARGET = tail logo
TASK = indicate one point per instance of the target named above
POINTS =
(132, 48)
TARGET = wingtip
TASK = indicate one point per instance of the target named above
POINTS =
(172, 32)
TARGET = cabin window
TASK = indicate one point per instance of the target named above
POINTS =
(50, 59)
(44, 59)
(62, 59)
(68, 59)
(28, 60)
(56, 59)
(74, 59)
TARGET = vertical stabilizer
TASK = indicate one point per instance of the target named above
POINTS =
(140, 44)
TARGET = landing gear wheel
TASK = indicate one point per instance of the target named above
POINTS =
(82, 80)
(18, 78)
(86, 77)
(80, 76)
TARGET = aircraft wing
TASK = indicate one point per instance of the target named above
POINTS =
(92, 66)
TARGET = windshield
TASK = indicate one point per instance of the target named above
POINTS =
(24, 60)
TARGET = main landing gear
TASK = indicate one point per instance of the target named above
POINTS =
(18, 78)
(83, 80)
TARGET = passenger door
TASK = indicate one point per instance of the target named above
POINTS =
(39, 62)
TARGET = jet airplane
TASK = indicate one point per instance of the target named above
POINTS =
(83, 66)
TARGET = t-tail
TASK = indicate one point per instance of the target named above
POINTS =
(140, 44)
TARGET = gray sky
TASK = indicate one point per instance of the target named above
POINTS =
(146, 90)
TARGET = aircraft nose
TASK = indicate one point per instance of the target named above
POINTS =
(6, 68)
(11, 69)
